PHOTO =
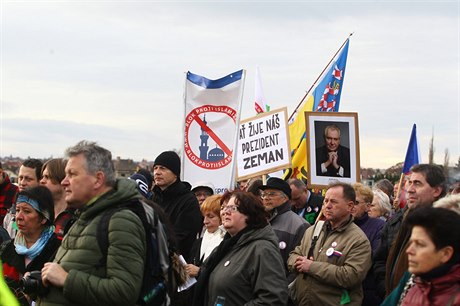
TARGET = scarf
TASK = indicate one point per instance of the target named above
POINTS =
(37, 247)
(210, 242)
(200, 294)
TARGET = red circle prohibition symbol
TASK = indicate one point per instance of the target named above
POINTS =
(194, 116)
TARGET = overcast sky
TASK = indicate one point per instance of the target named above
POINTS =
(114, 71)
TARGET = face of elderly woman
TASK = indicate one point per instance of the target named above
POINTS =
(232, 220)
(374, 209)
(30, 222)
(422, 254)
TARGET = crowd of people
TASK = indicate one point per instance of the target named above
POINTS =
(267, 242)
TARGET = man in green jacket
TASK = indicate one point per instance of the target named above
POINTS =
(77, 277)
(332, 266)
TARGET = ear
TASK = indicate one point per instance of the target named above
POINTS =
(100, 180)
(43, 221)
(350, 206)
(446, 253)
(437, 191)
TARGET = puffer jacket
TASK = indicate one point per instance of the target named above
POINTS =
(119, 281)
(331, 278)
(252, 273)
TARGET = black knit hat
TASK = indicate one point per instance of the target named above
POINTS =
(170, 160)
(279, 184)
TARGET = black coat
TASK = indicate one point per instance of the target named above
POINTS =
(322, 155)
(183, 210)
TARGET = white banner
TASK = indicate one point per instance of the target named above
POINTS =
(263, 144)
(212, 111)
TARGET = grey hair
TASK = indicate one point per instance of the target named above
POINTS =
(383, 201)
(97, 159)
(451, 202)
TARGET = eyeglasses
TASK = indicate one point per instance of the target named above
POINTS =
(230, 208)
(362, 202)
(270, 194)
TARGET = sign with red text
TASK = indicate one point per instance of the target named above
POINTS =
(211, 116)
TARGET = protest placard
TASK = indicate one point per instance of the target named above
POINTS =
(263, 144)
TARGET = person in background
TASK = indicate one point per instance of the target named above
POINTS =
(29, 176)
(35, 243)
(332, 266)
(53, 172)
(372, 228)
(288, 226)
(426, 184)
(177, 200)
(433, 276)
(148, 177)
(451, 202)
(305, 203)
(8, 192)
(246, 268)
(202, 190)
(380, 206)
(212, 237)
(386, 186)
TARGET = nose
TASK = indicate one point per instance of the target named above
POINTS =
(409, 250)
(65, 181)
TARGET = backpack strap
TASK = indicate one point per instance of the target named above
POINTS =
(102, 234)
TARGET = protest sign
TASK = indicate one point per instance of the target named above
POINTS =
(263, 144)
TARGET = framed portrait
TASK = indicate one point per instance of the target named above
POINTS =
(332, 148)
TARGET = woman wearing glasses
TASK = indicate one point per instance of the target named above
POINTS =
(246, 268)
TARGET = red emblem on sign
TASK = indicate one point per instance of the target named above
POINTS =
(221, 155)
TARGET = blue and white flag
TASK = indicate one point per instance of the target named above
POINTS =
(212, 114)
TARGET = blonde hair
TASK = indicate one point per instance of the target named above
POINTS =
(364, 191)
(211, 204)
(451, 202)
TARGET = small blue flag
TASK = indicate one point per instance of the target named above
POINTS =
(413, 153)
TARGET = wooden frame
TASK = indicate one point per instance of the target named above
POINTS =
(318, 151)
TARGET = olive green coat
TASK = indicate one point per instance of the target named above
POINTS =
(117, 283)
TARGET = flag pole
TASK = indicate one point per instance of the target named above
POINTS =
(322, 72)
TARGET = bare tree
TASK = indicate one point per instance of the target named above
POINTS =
(446, 162)
(431, 150)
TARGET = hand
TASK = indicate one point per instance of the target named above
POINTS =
(53, 274)
(335, 159)
(302, 264)
(192, 270)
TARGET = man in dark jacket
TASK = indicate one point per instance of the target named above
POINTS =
(332, 159)
(177, 200)
(426, 184)
(288, 226)
(305, 203)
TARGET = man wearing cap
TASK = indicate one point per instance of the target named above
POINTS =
(333, 257)
(177, 200)
(288, 226)
(202, 190)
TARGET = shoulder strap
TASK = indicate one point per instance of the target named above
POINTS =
(316, 233)
(102, 234)
(318, 228)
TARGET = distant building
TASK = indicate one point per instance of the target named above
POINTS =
(124, 167)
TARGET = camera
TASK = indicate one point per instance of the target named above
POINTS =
(32, 284)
